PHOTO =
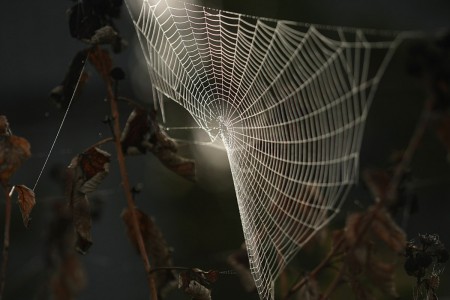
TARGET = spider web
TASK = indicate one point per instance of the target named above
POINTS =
(289, 101)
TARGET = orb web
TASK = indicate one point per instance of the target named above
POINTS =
(289, 101)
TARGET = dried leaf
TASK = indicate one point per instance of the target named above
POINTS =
(142, 133)
(94, 164)
(178, 164)
(105, 35)
(26, 199)
(382, 275)
(14, 151)
(385, 228)
(353, 228)
(238, 260)
(156, 246)
(359, 291)
(362, 259)
(73, 82)
(85, 173)
(193, 288)
(82, 221)
(137, 133)
(67, 277)
(4, 126)
(102, 62)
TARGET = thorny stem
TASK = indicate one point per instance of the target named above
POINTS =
(400, 169)
(127, 189)
(5, 240)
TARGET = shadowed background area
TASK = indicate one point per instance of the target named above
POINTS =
(199, 220)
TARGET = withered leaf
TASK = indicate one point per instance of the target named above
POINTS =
(385, 228)
(362, 259)
(14, 150)
(136, 133)
(156, 247)
(107, 35)
(382, 275)
(82, 221)
(94, 164)
(4, 126)
(102, 62)
(26, 199)
(73, 82)
(66, 274)
(85, 173)
(353, 228)
(166, 151)
(68, 279)
(193, 288)
(142, 133)
(359, 290)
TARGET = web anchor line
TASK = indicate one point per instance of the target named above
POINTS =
(289, 101)
(60, 125)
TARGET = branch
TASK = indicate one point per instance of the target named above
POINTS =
(127, 188)
(8, 192)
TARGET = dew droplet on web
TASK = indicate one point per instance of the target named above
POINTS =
(46, 114)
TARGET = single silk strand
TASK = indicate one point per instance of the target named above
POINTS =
(60, 125)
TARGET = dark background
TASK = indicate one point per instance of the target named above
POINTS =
(200, 220)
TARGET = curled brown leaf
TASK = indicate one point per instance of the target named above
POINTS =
(193, 288)
(14, 150)
(85, 172)
(385, 228)
(26, 200)
(142, 133)
(94, 164)
(382, 275)
(156, 246)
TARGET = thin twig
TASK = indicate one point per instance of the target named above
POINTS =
(5, 240)
(99, 143)
(127, 188)
(413, 144)
(323, 264)
(333, 285)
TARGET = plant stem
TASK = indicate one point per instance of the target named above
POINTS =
(324, 263)
(5, 240)
(127, 189)
(411, 149)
